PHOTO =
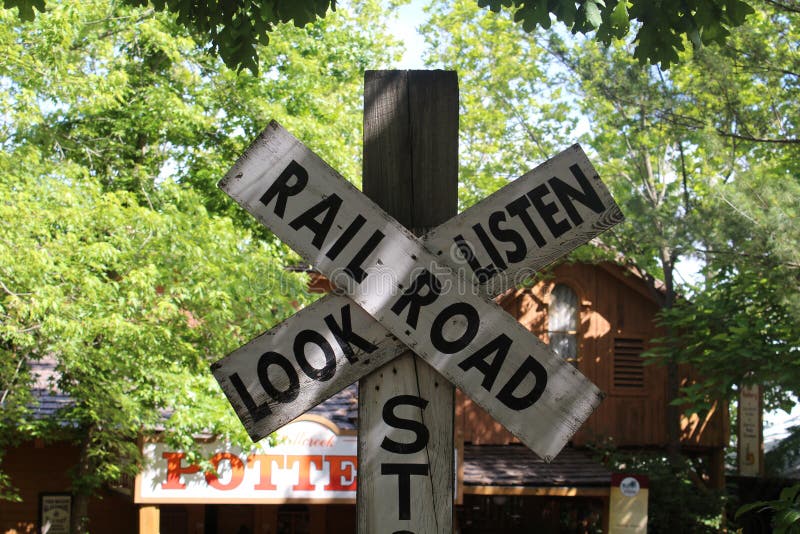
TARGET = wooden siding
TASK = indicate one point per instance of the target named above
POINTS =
(614, 305)
(37, 468)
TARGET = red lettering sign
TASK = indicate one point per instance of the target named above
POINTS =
(237, 471)
(175, 470)
(341, 467)
(265, 462)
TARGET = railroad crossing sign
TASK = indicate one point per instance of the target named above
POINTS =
(397, 292)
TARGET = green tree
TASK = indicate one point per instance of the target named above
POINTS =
(638, 152)
(740, 327)
(132, 302)
(121, 260)
(702, 160)
(129, 94)
(511, 118)
(235, 30)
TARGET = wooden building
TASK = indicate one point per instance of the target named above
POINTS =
(600, 317)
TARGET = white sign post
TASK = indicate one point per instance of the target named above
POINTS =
(430, 295)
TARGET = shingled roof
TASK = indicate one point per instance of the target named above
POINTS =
(516, 465)
(493, 465)
(45, 390)
(484, 465)
(341, 409)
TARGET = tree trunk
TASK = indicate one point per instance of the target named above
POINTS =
(81, 491)
(79, 523)
(673, 378)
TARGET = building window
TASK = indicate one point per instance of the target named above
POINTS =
(563, 322)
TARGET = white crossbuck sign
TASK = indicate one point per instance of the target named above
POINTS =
(398, 292)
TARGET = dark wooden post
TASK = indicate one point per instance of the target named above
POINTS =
(405, 442)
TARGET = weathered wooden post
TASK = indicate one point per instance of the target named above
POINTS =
(405, 437)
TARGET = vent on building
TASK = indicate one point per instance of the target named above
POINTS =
(628, 363)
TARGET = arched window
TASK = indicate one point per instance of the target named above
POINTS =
(563, 322)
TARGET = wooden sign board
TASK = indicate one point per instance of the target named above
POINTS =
(403, 459)
(360, 344)
(750, 447)
(527, 225)
(303, 361)
(466, 244)
(412, 292)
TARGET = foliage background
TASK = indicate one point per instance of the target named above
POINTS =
(119, 258)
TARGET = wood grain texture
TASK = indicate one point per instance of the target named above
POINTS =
(584, 223)
(411, 155)
(430, 496)
(433, 108)
(615, 303)
(391, 269)
(440, 242)
(244, 364)
(384, 179)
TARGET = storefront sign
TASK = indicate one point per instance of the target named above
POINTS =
(54, 512)
(312, 461)
(628, 504)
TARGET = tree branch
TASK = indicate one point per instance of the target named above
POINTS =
(648, 179)
(108, 33)
(11, 382)
(685, 178)
(783, 7)
(787, 141)
(524, 125)
(11, 293)
(720, 252)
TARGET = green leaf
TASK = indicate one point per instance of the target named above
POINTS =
(593, 15)
(785, 519)
(25, 8)
(619, 15)
(714, 32)
(790, 494)
(750, 507)
(130, 269)
(737, 11)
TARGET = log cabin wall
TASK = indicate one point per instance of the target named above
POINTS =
(616, 312)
